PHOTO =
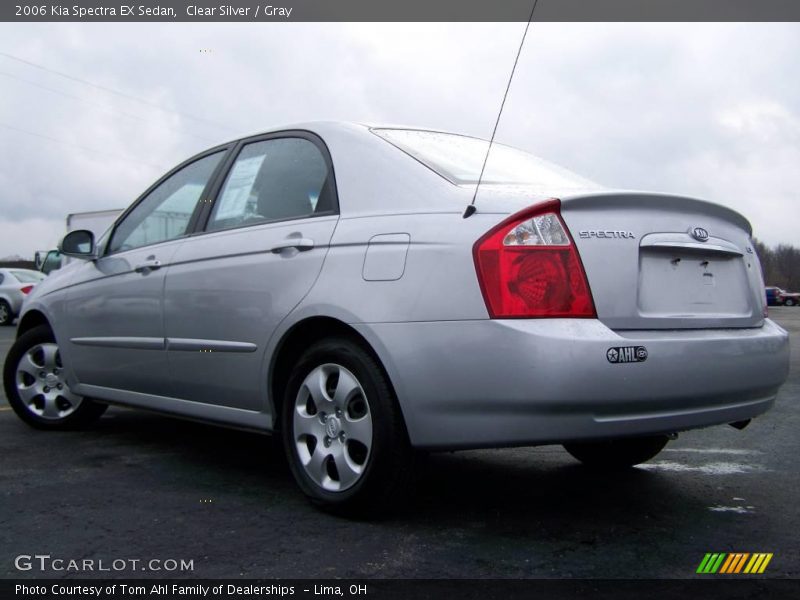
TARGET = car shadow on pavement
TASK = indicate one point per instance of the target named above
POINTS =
(228, 498)
(516, 482)
(539, 483)
(513, 490)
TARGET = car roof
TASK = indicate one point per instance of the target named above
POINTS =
(357, 145)
(326, 126)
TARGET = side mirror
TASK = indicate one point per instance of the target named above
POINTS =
(78, 244)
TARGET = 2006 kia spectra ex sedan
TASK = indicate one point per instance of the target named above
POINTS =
(322, 282)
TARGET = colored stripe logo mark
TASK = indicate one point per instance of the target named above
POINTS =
(734, 563)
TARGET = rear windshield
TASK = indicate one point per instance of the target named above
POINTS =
(459, 158)
(27, 276)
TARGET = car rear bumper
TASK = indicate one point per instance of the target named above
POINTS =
(15, 301)
(491, 383)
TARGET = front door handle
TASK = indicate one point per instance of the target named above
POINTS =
(151, 264)
(301, 244)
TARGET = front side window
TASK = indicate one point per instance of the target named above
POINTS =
(165, 212)
(274, 180)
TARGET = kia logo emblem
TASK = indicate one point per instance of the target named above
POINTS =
(700, 234)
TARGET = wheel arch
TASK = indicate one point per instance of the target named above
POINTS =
(31, 319)
(291, 346)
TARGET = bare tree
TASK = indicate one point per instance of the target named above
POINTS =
(781, 265)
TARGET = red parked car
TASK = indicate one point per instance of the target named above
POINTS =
(778, 297)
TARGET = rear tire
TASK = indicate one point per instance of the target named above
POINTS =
(343, 432)
(33, 378)
(6, 316)
(618, 453)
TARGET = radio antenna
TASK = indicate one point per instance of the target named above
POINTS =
(470, 210)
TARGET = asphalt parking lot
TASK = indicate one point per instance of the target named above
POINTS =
(141, 486)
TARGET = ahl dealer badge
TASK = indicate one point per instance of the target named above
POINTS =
(626, 354)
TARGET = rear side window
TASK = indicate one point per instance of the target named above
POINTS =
(274, 180)
(164, 214)
(27, 276)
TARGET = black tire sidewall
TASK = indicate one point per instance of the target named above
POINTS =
(389, 440)
(10, 313)
(617, 453)
(87, 411)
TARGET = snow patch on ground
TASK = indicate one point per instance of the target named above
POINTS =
(715, 468)
(731, 451)
(739, 510)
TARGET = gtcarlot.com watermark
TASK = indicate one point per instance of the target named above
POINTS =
(47, 563)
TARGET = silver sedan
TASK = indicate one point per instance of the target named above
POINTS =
(325, 283)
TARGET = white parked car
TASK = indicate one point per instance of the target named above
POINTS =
(15, 285)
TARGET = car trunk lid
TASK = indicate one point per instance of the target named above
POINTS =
(656, 261)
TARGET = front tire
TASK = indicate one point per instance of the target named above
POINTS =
(618, 453)
(35, 385)
(789, 302)
(343, 432)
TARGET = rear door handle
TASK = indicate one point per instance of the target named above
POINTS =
(151, 264)
(301, 244)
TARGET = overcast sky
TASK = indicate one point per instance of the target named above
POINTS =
(708, 110)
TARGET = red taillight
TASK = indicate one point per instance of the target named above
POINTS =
(26, 289)
(528, 266)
